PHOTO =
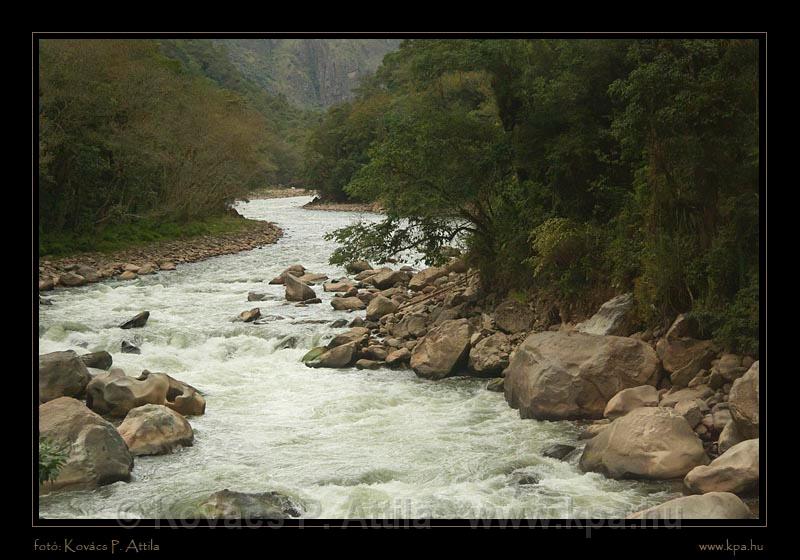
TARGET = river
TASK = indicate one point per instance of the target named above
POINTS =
(344, 443)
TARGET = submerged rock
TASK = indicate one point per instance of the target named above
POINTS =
(98, 360)
(558, 450)
(136, 322)
(227, 504)
(249, 316)
(128, 348)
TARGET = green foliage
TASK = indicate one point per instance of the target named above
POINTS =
(51, 459)
(116, 237)
(574, 167)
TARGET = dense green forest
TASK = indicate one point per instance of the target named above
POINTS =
(573, 169)
(162, 134)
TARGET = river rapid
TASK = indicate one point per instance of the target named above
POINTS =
(343, 443)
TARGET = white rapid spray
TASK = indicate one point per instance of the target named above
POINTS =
(344, 443)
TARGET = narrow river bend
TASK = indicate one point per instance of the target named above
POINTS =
(344, 443)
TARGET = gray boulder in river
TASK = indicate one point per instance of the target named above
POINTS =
(136, 322)
(572, 375)
(62, 374)
(97, 453)
(227, 504)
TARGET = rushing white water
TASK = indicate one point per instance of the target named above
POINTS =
(344, 443)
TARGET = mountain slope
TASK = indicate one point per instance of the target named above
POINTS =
(308, 72)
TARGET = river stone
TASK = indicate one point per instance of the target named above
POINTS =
(347, 304)
(674, 396)
(128, 348)
(558, 450)
(692, 410)
(341, 286)
(296, 290)
(683, 358)
(714, 505)
(490, 355)
(249, 316)
(629, 399)
(513, 316)
(425, 277)
(256, 296)
(744, 403)
(364, 363)
(572, 375)
(386, 279)
(313, 354)
(729, 437)
(312, 278)
(98, 360)
(154, 429)
(357, 266)
(380, 306)
(62, 374)
(398, 357)
(97, 453)
(736, 471)
(357, 335)
(613, 318)
(339, 323)
(115, 394)
(181, 397)
(339, 357)
(496, 385)
(442, 350)
(128, 275)
(70, 279)
(167, 265)
(650, 442)
(410, 326)
(226, 504)
(136, 322)
(375, 352)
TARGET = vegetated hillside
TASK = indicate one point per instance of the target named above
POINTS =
(308, 72)
(576, 169)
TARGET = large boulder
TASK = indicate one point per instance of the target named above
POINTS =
(62, 374)
(512, 316)
(425, 278)
(629, 399)
(97, 453)
(380, 306)
(97, 360)
(736, 471)
(154, 429)
(571, 375)
(297, 290)
(338, 357)
(226, 504)
(490, 355)
(115, 394)
(743, 400)
(442, 350)
(715, 505)
(70, 279)
(649, 442)
(614, 317)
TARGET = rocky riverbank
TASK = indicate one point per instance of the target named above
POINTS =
(289, 192)
(657, 404)
(319, 204)
(85, 268)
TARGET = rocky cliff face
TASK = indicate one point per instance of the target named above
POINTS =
(309, 72)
